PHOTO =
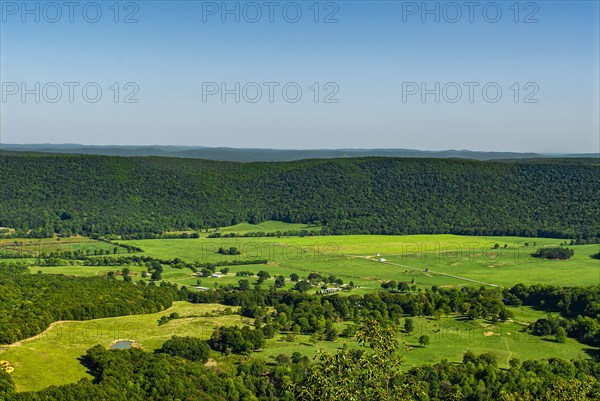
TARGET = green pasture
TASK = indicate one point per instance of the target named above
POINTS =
(443, 260)
(450, 337)
(368, 260)
(33, 247)
(52, 358)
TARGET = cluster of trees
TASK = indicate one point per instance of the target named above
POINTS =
(230, 251)
(303, 313)
(313, 280)
(30, 302)
(195, 234)
(134, 374)
(262, 276)
(279, 281)
(480, 378)
(554, 253)
(233, 339)
(190, 348)
(316, 279)
(244, 273)
(579, 308)
(129, 196)
(166, 319)
(401, 286)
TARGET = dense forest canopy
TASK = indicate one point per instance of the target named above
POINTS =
(30, 302)
(72, 194)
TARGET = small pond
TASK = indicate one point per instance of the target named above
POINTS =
(121, 345)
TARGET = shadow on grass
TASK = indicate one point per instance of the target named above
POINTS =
(594, 353)
(89, 364)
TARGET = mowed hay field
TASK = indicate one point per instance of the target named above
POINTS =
(427, 259)
(52, 358)
(367, 260)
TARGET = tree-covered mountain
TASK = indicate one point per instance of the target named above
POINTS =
(104, 194)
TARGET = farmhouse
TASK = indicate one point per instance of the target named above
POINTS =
(201, 288)
(331, 290)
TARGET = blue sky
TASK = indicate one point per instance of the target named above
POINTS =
(362, 69)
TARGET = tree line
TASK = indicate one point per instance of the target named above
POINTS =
(578, 308)
(30, 302)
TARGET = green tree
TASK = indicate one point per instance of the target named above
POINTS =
(561, 335)
(279, 281)
(262, 276)
(190, 348)
(302, 286)
(126, 276)
(348, 375)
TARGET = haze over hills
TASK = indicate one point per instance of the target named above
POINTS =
(272, 155)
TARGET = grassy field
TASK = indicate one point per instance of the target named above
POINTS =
(450, 338)
(428, 259)
(34, 246)
(507, 267)
(52, 358)
(367, 260)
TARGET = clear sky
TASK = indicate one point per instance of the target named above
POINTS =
(505, 75)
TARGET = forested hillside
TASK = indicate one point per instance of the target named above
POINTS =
(100, 194)
(30, 302)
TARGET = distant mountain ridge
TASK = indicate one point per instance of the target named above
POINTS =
(273, 155)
